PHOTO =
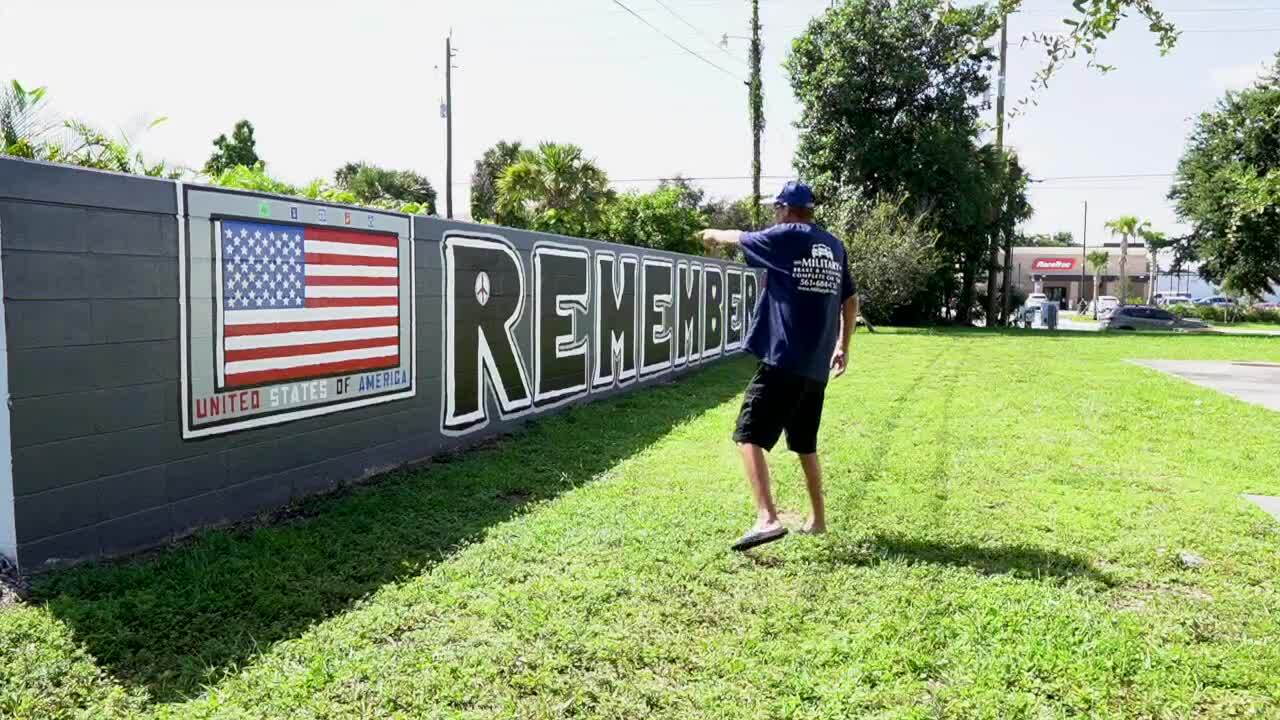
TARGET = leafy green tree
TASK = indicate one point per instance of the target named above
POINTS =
(1156, 241)
(662, 220)
(1228, 189)
(726, 214)
(254, 178)
(380, 187)
(690, 195)
(1093, 22)
(240, 149)
(553, 189)
(887, 91)
(1097, 260)
(484, 179)
(891, 255)
(257, 179)
(1128, 228)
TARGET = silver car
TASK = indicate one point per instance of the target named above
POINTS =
(1146, 317)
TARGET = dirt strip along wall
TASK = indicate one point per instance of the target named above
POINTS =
(180, 356)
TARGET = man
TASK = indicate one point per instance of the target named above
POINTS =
(808, 304)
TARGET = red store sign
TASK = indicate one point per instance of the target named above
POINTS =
(1053, 264)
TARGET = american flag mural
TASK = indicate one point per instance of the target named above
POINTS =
(299, 302)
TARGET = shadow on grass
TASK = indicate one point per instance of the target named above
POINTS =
(185, 617)
(1021, 561)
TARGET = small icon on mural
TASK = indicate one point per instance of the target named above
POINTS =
(322, 216)
(293, 212)
(346, 218)
(482, 288)
(370, 220)
(264, 209)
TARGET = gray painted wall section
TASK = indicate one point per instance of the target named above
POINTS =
(89, 264)
(8, 527)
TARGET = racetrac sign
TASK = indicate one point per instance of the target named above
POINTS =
(1053, 264)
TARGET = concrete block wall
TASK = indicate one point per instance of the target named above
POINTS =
(96, 463)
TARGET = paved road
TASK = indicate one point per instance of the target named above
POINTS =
(1257, 383)
(1247, 331)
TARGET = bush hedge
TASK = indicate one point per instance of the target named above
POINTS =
(1213, 313)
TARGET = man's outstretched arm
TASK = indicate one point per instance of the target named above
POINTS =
(712, 238)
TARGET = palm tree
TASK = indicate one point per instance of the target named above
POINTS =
(1127, 227)
(1098, 260)
(23, 124)
(554, 188)
(1155, 241)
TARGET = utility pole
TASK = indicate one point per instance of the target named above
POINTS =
(1000, 151)
(756, 101)
(448, 125)
(1084, 248)
(1004, 168)
(1004, 53)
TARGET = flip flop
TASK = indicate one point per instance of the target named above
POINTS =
(758, 538)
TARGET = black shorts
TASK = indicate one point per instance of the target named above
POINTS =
(778, 400)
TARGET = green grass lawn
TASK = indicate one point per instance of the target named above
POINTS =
(1007, 509)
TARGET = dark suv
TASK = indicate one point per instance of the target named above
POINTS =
(1145, 317)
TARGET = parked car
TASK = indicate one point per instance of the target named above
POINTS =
(1148, 317)
(1034, 300)
(1266, 306)
(1107, 303)
(1216, 301)
(1167, 299)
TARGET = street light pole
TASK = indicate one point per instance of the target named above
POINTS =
(1084, 248)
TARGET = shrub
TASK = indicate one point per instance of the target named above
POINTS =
(658, 220)
(891, 255)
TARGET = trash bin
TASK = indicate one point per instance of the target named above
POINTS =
(1049, 315)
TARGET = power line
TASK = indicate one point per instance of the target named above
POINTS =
(1189, 11)
(1232, 30)
(704, 178)
(693, 27)
(1103, 177)
(679, 44)
(1117, 176)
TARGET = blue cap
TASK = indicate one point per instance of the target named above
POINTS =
(795, 194)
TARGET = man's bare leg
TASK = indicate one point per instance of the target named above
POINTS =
(757, 468)
(817, 522)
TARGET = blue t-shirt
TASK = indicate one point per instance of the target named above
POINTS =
(806, 283)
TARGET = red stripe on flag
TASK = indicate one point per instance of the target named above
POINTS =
(333, 259)
(273, 328)
(263, 376)
(350, 236)
(312, 349)
(314, 280)
(351, 302)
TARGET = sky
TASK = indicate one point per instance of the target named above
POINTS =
(328, 82)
